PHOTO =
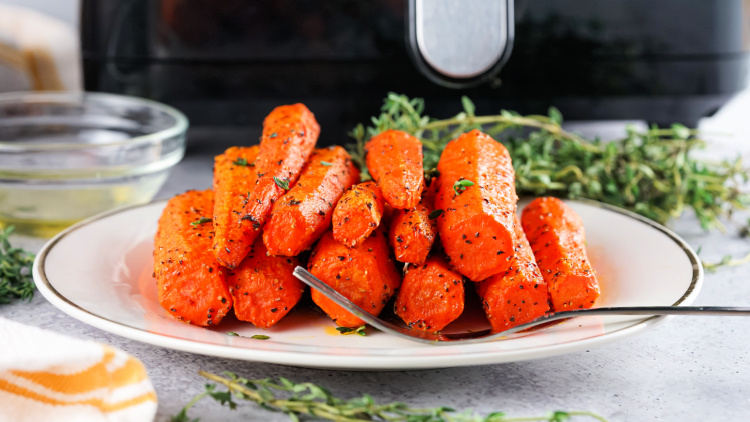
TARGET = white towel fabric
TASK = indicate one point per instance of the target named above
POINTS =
(37, 52)
(45, 376)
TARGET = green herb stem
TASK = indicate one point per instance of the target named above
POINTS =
(307, 399)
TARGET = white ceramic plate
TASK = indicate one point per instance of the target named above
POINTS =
(100, 272)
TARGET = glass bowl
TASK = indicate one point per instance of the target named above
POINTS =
(65, 156)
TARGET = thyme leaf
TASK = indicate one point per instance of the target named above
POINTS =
(282, 183)
(461, 185)
(346, 330)
(240, 162)
(16, 281)
(435, 214)
(314, 401)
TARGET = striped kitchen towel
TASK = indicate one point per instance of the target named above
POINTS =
(45, 376)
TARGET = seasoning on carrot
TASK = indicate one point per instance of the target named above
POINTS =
(394, 159)
(518, 295)
(557, 239)
(477, 195)
(431, 295)
(264, 287)
(365, 274)
(358, 213)
(412, 232)
(304, 213)
(191, 283)
(289, 136)
(234, 178)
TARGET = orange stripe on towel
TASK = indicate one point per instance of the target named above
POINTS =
(93, 378)
(98, 403)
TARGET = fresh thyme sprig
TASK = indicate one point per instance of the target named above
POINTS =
(311, 400)
(15, 270)
(653, 173)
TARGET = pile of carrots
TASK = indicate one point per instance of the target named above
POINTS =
(235, 246)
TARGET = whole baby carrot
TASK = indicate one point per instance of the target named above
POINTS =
(190, 281)
(289, 136)
(518, 295)
(558, 241)
(412, 232)
(394, 160)
(263, 287)
(300, 216)
(358, 213)
(431, 295)
(365, 274)
(234, 178)
(477, 196)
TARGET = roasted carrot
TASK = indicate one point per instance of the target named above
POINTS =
(431, 295)
(412, 232)
(394, 159)
(191, 283)
(358, 213)
(304, 213)
(558, 241)
(263, 287)
(289, 136)
(234, 178)
(365, 274)
(477, 195)
(518, 295)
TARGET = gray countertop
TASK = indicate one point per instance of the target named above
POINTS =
(683, 369)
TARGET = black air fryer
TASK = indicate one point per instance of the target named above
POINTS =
(228, 63)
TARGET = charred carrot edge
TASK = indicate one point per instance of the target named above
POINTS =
(431, 295)
(412, 232)
(300, 216)
(394, 160)
(518, 295)
(191, 282)
(477, 195)
(557, 239)
(234, 178)
(289, 136)
(365, 274)
(358, 213)
(264, 287)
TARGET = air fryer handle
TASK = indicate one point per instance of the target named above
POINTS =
(460, 43)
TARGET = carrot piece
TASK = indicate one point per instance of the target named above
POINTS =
(191, 283)
(358, 213)
(263, 287)
(289, 136)
(412, 232)
(394, 159)
(431, 295)
(365, 274)
(234, 178)
(477, 195)
(518, 295)
(558, 241)
(304, 213)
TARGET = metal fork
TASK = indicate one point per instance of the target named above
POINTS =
(487, 335)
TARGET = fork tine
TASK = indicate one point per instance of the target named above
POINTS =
(315, 283)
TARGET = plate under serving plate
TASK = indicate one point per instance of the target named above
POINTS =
(100, 272)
